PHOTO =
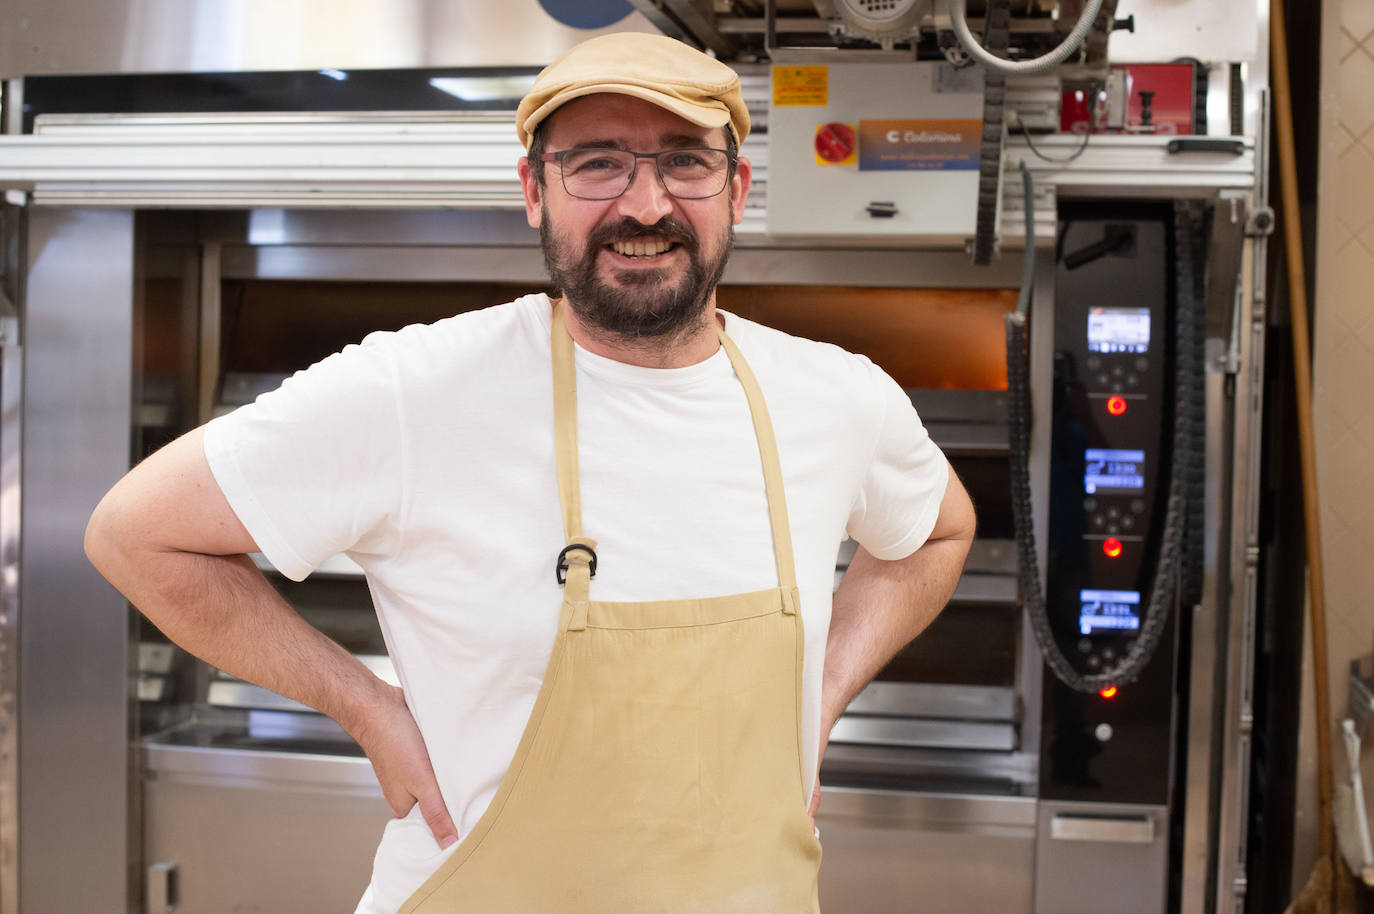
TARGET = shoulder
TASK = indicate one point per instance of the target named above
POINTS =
(793, 361)
(501, 330)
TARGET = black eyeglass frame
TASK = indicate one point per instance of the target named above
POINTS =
(557, 157)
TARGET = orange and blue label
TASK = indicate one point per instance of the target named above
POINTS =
(928, 144)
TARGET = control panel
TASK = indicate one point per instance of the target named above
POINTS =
(1111, 400)
(875, 150)
(1108, 494)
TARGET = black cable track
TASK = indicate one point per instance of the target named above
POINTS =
(996, 38)
(1189, 429)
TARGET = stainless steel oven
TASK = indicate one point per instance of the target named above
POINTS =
(966, 777)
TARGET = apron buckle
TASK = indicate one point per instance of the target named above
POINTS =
(561, 568)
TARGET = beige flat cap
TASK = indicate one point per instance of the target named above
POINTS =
(655, 68)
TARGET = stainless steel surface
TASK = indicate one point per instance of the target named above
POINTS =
(966, 422)
(925, 733)
(341, 774)
(11, 425)
(74, 36)
(467, 160)
(499, 262)
(951, 701)
(1108, 829)
(1132, 166)
(74, 678)
(893, 852)
(1242, 536)
(262, 831)
(1078, 875)
(211, 320)
(1360, 697)
(13, 112)
(161, 895)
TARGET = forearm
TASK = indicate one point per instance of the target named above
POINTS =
(222, 610)
(879, 608)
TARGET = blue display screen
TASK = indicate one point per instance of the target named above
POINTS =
(1119, 330)
(1108, 470)
(1108, 611)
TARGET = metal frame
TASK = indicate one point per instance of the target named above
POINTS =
(74, 695)
(11, 428)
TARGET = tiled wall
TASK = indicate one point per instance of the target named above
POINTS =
(1343, 383)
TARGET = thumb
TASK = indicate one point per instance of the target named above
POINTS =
(436, 815)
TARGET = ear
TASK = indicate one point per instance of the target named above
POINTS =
(529, 186)
(739, 187)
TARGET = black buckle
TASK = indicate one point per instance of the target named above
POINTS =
(561, 569)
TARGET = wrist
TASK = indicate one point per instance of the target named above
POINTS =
(372, 700)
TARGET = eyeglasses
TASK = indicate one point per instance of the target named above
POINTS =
(604, 174)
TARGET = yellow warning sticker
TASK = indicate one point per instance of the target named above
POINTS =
(801, 86)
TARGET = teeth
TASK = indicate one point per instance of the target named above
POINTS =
(640, 248)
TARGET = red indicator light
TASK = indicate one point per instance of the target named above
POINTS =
(1116, 405)
(1111, 546)
(1108, 692)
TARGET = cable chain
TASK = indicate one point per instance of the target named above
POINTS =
(1163, 588)
(996, 38)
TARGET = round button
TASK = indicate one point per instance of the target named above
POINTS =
(1138, 505)
(1102, 377)
(1094, 663)
(1113, 529)
(1128, 523)
(1132, 380)
(1108, 654)
(1142, 364)
(1090, 504)
(1098, 520)
(1113, 512)
(835, 142)
(1118, 371)
(1084, 645)
(1094, 363)
(1117, 387)
(1103, 732)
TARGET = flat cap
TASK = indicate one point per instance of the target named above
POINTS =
(656, 68)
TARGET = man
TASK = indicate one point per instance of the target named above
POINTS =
(600, 535)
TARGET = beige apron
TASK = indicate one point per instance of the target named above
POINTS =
(660, 770)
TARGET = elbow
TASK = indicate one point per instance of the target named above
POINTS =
(103, 535)
(96, 539)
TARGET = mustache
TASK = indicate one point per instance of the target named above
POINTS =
(627, 229)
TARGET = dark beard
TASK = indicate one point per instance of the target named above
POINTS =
(638, 307)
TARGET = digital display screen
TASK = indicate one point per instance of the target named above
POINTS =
(1108, 611)
(1119, 330)
(1107, 470)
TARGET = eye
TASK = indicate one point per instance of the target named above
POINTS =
(592, 163)
(685, 159)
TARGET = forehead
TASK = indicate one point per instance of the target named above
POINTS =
(623, 120)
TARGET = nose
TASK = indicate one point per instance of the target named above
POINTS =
(646, 200)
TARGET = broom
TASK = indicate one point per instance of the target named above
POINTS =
(1329, 888)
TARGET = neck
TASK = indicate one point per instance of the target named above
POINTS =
(694, 344)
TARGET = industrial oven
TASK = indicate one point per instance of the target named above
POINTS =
(1110, 461)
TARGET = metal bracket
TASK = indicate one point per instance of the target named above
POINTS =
(1260, 223)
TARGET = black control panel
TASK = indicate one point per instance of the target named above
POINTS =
(1109, 482)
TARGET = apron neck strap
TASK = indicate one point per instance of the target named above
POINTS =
(565, 426)
(565, 446)
(772, 469)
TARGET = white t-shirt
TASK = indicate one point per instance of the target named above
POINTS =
(427, 456)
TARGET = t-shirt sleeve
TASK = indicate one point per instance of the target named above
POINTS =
(899, 497)
(314, 468)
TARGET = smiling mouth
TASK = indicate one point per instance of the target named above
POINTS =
(642, 248)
